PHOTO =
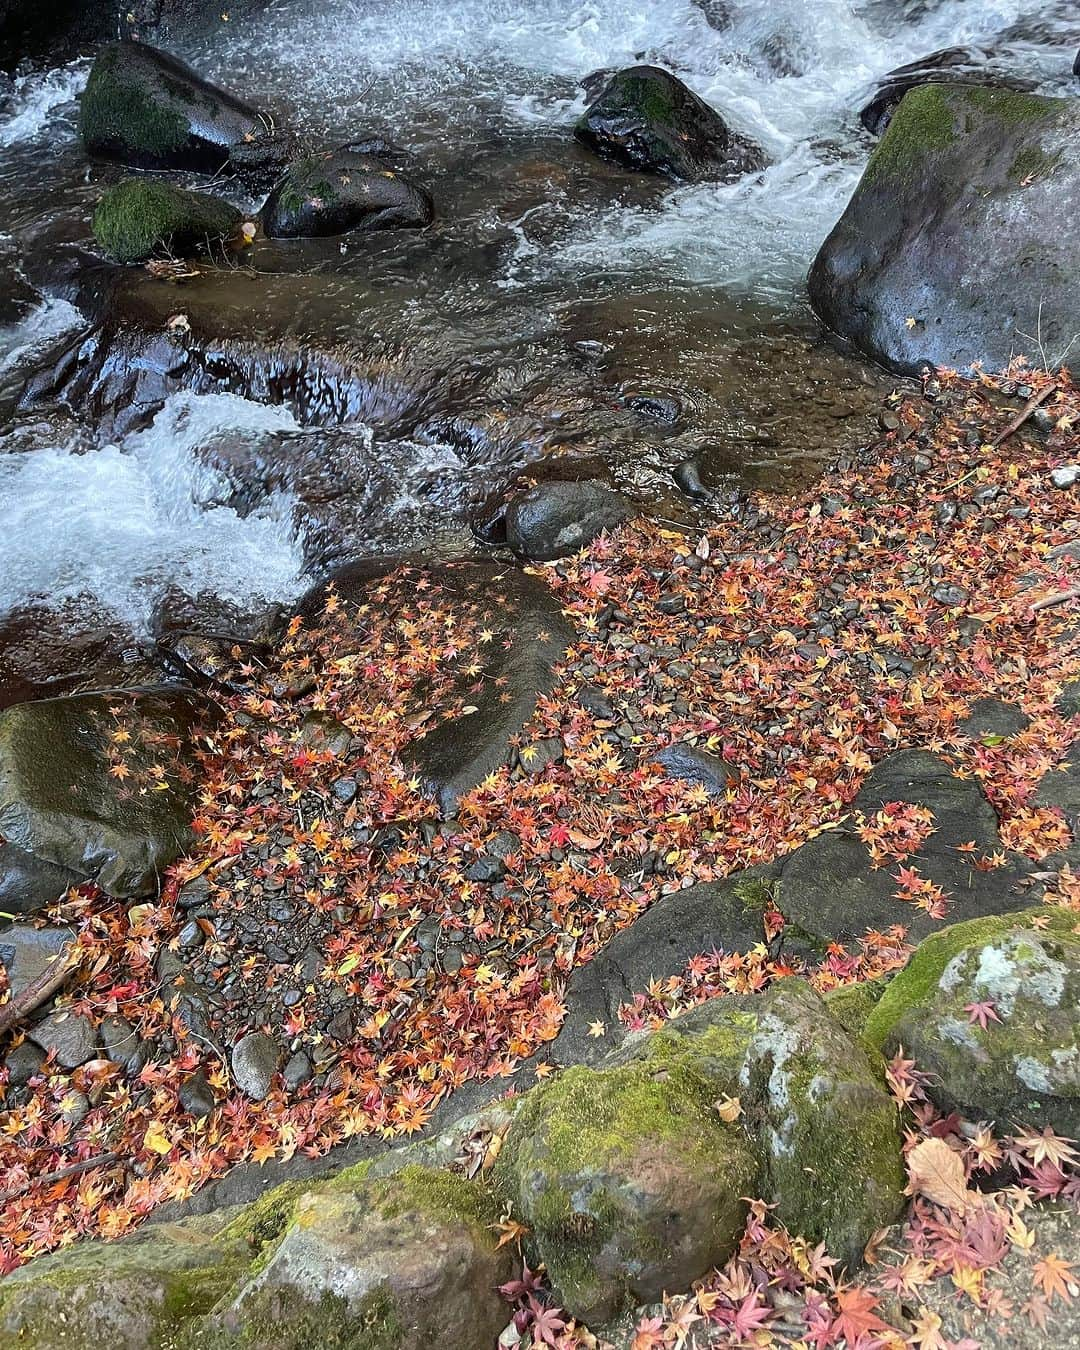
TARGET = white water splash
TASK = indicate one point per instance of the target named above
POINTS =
(37, 100)
(124, 521)
(21, 342)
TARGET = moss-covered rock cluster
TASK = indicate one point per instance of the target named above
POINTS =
(142, 217)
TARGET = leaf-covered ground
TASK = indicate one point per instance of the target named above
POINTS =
(800, 639)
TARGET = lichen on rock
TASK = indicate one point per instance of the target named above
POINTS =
(991, 1010)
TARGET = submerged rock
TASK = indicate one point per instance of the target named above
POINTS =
(647, 119)
(952, 65)
(148, 109)
(136, 219)
(552, 520)
(1019, 1061)
(343, 191)
(951, 248)
(79, 783)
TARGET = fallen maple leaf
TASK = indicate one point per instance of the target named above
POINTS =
(937, 1172)
(1054, 1277)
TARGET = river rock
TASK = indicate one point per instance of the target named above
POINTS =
(691, 765)
(139, 218)
(196, 1095)
(26, 953)
(1022, 970)
(407, 1262)
(148, 109)
(23, 1063)
(254, 1061)
(952, 65)
(70, 1037)
(552, 520)
(647, 119)
(27, 884)
(77, 780)
(461, 751)
(831, 889)
(951, 248)
(343, 191)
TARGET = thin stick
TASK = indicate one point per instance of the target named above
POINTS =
(47, 1178)
(1073, 593)
(37, 991)
(1024, 413)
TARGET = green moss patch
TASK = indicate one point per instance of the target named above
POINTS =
(141, 217)
(116, 111)
(923, 122)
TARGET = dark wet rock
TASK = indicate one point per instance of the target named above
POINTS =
(261, 162)
(990, 717)
(725, 915)
(61, 802)
(69, 647)
(1068, 702)
(23, 1063)
(831, 889)
(206, 639)
(1022, 1067)
(254, 1061)
(692, 765)
(535, 756)
(343, 191)
(687, 478)
(950, 247)
(197, 1096)
(595, 701)
(324, 734)
(120, 1043)
(27, 884)
(554, 519)
(297, 1071)
(26, 953)
(140, 218)
(459, 753)
(657, 407)
(148, 109)
(70, 1037)
(649, 120)
(953, 65)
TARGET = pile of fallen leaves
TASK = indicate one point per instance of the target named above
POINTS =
(800, 639)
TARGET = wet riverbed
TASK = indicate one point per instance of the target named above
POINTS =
(366, 395)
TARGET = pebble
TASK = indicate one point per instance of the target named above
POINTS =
(23, 1063)
(191, 935)
(297, 1071)
(121, 1045)
(70, 1036)
(1065, 475)
(197, 1096)
(953, 596)
(254, 1062)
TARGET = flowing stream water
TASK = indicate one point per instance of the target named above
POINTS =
(690, 293)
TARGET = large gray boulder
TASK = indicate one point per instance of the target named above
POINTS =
(952, 249)
(97, 785)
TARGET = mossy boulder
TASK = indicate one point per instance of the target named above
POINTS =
(1021, 969)
(828, 1131)
(629, 1180)
(632, 1183)
(343, 191)
(135, 1294)
(138, 218)
(148, 109)
(400, 1263)
(100, 784)
(952, 65)
(648, 120)
(951, 249)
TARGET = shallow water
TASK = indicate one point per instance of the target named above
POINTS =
(539, 251)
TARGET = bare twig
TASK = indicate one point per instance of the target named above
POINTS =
(37, 991)
(1073, 593)
(1025, 412)
(73, 1170)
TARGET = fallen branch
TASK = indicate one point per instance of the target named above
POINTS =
(1025, 412)
(61, 1173)
(38, 990)
(1073, 593)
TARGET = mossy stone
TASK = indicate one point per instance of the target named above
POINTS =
(141, 217)
(628, 1179)
(1023, 1067)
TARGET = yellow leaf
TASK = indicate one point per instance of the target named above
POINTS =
(728, 1108)
(596, 1028)
(155, 1139)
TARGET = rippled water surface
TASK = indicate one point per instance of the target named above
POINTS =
(692, 292)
